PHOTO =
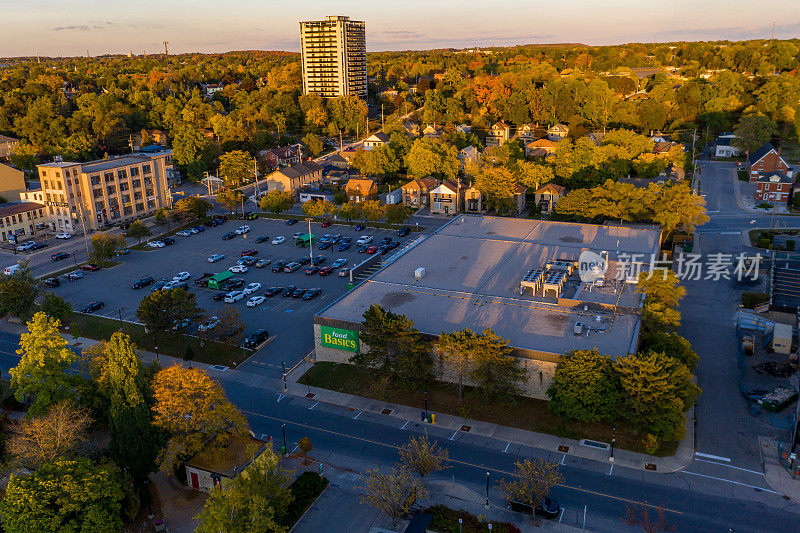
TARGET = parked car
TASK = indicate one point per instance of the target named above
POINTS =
(325, 245)
(288, 291)
(255, 339)
(246, 261)
(156, 244)
(143, 282)
(578, 329)
(273, 291)
(208, 324)
(291, 221)
(175, 284)
(51, 282)
(249, 252)
(241, 230)
(313, 269)
(280, 265)
(298, 293)
(296, 235)
(233, 296)
(92, 307)
(261, 263)
(344, 245)
(363, 248)
(255, 301)
(168, 241)
(218, 297)
(59, 256)
(326, 224)
(305, 260)
(199, 229)
(279, 240)
(233, 283)
(184, 233)
(344, 272)
(219, 219)
(216, 257)
(228, 236)
(549, 508)
(158, 285)
(324, 271)
(364, 239)
(74, 275)
(262, 238)
(202, 281)
(63, 235)
(338, 263)
(359, 227)
(238, 269)
(392, 245)
(310, 294)
(121, 251)
(385, 240)
(372, 249)
(181, 276)
(292, 267)
(181, 324)
(38, 246)
(90, 267)
(25, 246)
(233, 330)
(318, 260)
(251, 288)
(402, 232)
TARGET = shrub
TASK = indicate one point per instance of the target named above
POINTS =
(764, 243)
(650, 444)
(305, 489)
(446, 520)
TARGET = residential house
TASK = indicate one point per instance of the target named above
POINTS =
(499, 133)
(337, 162)
(557, 132)
(12, 183)
(473, 200)
(724, 146)
(663, 147)
(155, 137)
(528, 133)
(210, 469)
(375, 140)
(445, 199)
(293, 177)
(417, 191)
(282, 156)
(467, 155)
(309, 193)
(519, 199)
(411, 129)
(596, 137)
(20, 219)
(7, 145)
(773, 187)
(211, 89)
(393, 197)
(546, 196)
(464, 128)
(361, 190)
(388, 94)
(433, 131)
(540, 148)
(766, 159)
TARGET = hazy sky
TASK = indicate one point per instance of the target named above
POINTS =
(70, 27)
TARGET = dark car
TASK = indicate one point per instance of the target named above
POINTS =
(158, 285)
(310, 294)
(278, 266)
(90, 267)
(218, 297)
(324, 271)
(219, 219)
(59, 256)
(298, 293)
(549, 508)
(326, 224)
(262, 238)
(200, 229)
(344, 245)
(168, 241)
(385, 240)
(232, 283)
(143, 282)
(325, 245)
(382, 248)
(51, 282)
(304, 260)
(92, 307)
(202, 281)
(37, 246)
(318, 260)
(337, 238)
(288, 291)
(255, 338)
(392, 245)
(233, 330)
(210, 223)
(310, 271)
(363, 248)
(359, 227)
(292, 267)
(181, 324)
(247, 261)
(291, 221)
(273, 291)
(402, 232)
(228, 236)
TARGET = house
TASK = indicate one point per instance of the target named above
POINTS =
(155, 137)
(388, 94)
(293, 177)
(393, 197)
(416, 192)
(464, 128)
(445, 199)
(596, 137)
(211, 468)
(766, 159)
(433, 131)
(540, 148)
(773, 187)
(20, 219)
(411, 129)
(467, 155)
(724, 148)
(663, 147)
(361, 190)
(282, 156)
(546, 196)
(499, 133)
(473, 200)
(7, 145)
(375, 140)
(12, 183)
(557, 132)
(337, 162)
(211, 89)
(529, 132)
(310, 193)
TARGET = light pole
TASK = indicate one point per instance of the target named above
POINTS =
(120, 317)
(613, 440)
(283, 427)
(426, 405)
(310, 247)
(487, 490)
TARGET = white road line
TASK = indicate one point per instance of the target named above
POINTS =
(562, 459)
(359, 414)
(731, 481)
(731, 466)
(404, 425)
(506, 450)
(709, 456)
(280, 397)
(454, 435)
(313, 406)
(560, 516)
(612, 469)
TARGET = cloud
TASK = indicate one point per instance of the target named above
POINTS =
(86, 27)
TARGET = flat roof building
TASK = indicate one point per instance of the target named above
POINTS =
(334, 57)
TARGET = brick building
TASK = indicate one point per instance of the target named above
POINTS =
(766, 159)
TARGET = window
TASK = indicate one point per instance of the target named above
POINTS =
(126, 198)
(58, 174)
(48, 197)
(111, 189)
(134, 171)
(98, 193)
(122, 174)
(108, 176)
(137, 184)
(127, 210)
(60, 186)
(95, 179)
(140, 207)
(146, 168)
(123, 186)
(99, 206)
(137, 195)
(149, 192)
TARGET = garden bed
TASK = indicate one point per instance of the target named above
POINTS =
(445, 520)
(306, 489)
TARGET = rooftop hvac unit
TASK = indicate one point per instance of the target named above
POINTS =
(418, 273)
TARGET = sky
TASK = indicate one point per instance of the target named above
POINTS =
(71, 27)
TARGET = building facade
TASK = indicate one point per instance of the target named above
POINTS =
(416, 192)
(361, 190)
(294, 177)
(774, 187)
(446, 199)
(105, 191)
(334, 57)
(766, 159)
(21, 219)
(12, 183)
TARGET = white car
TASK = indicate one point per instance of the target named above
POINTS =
(156, 244)
(193, 231)
(184, 233)
(216, 257)
(295, 236)
(233, 296)
(344, 272)
(63, 235)
(211, 323)
(251, 288)
(364, 239)
(241, 230)
(25, 246)
(279, 240)
(238, 269)
(181, 276)
(255, 301)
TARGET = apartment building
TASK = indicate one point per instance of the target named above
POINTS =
(334, 57)
(20, 219)
(105, 191)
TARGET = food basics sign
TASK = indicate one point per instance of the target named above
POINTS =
(341, 339)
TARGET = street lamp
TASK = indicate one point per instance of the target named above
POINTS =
(283, 427)
(310, 247)
(613, 440)
(487, 490)
(426, 405)
(120, 317)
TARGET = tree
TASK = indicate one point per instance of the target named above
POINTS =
(55, 434)
(277, 201)
(671, 344)
(235, 167)
(104, 245)
(137, 230)
(194, 410)
(135, 442)
(498, 186)
(663, 296)
(318, 208)
(230, 198)
(639, 515)
(115, 371)
(313, 144)
(41, 374)
(352, 210)
(372, 210)
(188, 148)
(429, 157)
(161, 309)
(305, 446)
(753, 131)
(585, 387)
(256, 500)
(675, 206)
(533, 481)
(393, 494)
(230, 326)
(65, 495)
(458, 350)
(55, 307)
(397, 213)
(496, 373)
(18, 293)
(422, 457)
(348, 113)
(192, 208)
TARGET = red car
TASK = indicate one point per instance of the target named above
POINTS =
(249, 253)
(326, 224)
(372, 249)
(324, 271)
(90, 267)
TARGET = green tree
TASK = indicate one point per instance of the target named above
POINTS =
(532, 482)
(423, 457)
(458, 350)
(235, 167)
(663, 295)
(585, 387)
(65, 495)
(192, 208)
(159, 310)
(753, 131)
(348, 113)
(315, 208)
(498, 186)
(313, 144)
(41, 374)
(429, 157)
(672, 345)
(104, 245)
(137, 230)
(56, 307)
(676, 206)
(277, 201)
(393, 494)
(372, 210)
(352, 210)
(230, 198)
(188, 148)
(397, 213)
(496, 373)
(18, 293)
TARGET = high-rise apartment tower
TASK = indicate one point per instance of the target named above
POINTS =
(334, 57)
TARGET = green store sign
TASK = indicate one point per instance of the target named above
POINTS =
(341, 339)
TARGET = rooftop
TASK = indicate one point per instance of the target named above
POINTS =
(473, 268)
(231, 460)
(19, 207)
(105, 164)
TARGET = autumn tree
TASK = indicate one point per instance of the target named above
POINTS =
(532, 482)
(276, 201)
(372, 210)
(347, 113)
(397, 213)
(192, 208)
(104, 245)
(639, 517)
(496, 373)
(394, 494)
(305, 446)
(195, 412)
(351, 210)
(753, 131)
(188, 149)
(230, 198)
(160, 309)
(55, 306)
(313, 144)
(235, 167)
(498, 187)
(429, 157)
(41, 374)
(663, 294)
(458, 349)
(138, 230)
(57, 433)
(585, 387)
(423, 457)
(18, 293)
(318, 208)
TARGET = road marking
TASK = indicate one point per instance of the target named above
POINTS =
(560, 516)
(731, 466)
(612, 469)
(562, 459)
(730, 481)
(359, 414)
(482, 468)
(313, 406)
(454, 435)
(404, 425)
(709, 456)
(280, 397)
(506, 450)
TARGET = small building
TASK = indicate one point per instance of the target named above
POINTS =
(473, 200)
(529, 132)
(499, 133)
(558, 132)
(7, 145)
(393, 197)
(464, 128)
(467, 155)
(433, 131)
(212, 468)
(361, 190)
(283, 156)
(540, 148)
(21, 219)
(773, 187)
(211, 89)
(337, 162)
(375, 140)
(305, 240)
(766, 159)
(411, 129)
(308, 194)
(138, 139)
(293, 177)
(519, 198)
(546, 196)
(445, 199)
(12, 183)
(417, 192)
(217, 280)
(724, 147)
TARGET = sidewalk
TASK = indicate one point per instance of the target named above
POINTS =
(776, 474)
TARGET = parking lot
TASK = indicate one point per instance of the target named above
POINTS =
(288, 320)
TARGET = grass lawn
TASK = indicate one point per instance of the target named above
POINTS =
(169, 343)
(525, 413)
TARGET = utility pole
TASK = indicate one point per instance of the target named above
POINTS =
(257, 191)
(166, 50)
(382, 124)
(772, 35)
